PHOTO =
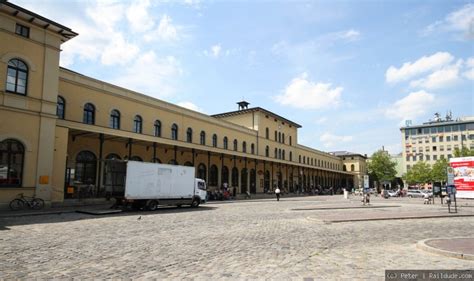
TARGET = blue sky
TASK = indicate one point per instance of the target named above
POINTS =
(350, 72)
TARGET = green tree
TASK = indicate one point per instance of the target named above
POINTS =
(463, 152)
(418, 174)
(381, 168)
(438, 171)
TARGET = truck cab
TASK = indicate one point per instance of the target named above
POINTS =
(200, 190)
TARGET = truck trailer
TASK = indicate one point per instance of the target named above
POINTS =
(148, 185)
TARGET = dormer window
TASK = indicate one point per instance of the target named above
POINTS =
(22, 30)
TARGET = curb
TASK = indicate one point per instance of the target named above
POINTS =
(423, 246)
(15, 215)
(387, 219)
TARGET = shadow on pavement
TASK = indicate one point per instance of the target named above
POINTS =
(74, 215)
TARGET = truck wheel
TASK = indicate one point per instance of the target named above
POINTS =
(152, 205)
(195, 203)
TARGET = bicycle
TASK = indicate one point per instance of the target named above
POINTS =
(32, 202)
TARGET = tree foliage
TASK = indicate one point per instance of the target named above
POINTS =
(381, 168)
(463, 152)
(418, 174)
(439, 170)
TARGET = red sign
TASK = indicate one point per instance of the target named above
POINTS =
(463, 168)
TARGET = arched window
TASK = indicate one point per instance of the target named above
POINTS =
(201, 171)
(244, 147)
(276, 153)
(174, 132)
(267, 151)
(157, 128)
(283, 154)
(113, 156)
(279, 154)
(225, 175)
(189, 164)
(189, 135)
(290, 141)
(213, 177)
(226, 143)
(173, 162)
(12, 155)
(86, 167)
(156, 160)
(279, 137)
(267, 133)
(61, 108)
(291, 156)
(89, 114)
(137, 124)
(115, 119)
(304, 159)
(344, 167)
(235, 176)
(136, 158)
(312, 161)
(17, 77)
(276, 136)
(202, 138)
(299, 157)
(352, 168)
(214, 140)
(235, 145)
(252, 148)
(283, 137)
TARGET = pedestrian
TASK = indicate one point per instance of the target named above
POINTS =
(277, 193)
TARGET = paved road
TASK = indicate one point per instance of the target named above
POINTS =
(261, 239)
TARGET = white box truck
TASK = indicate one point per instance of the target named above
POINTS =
(148, 185)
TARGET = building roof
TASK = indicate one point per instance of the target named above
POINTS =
(37, 20)
(465, 120)
(347, 153)
(255, 109)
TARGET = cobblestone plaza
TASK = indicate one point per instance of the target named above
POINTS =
(297, 238)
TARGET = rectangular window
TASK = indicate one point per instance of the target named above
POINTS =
(434, 148)
(427, 157)
(441, 148)
(408, 167)
(462, 127)
(447, 129)
(22, 30)
(471, 137)
(448, 138)
(426, 131)
(455, 138)
(433, 130)
(421, 157)
(455, 128)
(427, 149)
(435, 157)
(408, 158)
(414, 157)
(448, 148)
(441, 138)
(463, 137)
(440, 129)
(433, 139)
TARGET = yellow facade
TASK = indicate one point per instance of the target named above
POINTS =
(51, 167)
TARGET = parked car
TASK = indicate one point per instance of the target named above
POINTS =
(393, 193)
(415, 193)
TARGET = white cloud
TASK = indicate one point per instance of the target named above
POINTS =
(191, 106)
(422, 65)
(137, 15)
(442, 78)
(166, 31)
(157, 79)
(412, 106)
(118, 51)
(349, 35)
(105, 14)
(321, 120)
(469, 73)
(330, 140)
(215, 51)
(460, 21)
(305, 94)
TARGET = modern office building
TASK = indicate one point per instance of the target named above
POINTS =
(436, 139)
(58, 128)
(355, 163)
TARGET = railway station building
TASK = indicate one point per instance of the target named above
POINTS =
(60, 129)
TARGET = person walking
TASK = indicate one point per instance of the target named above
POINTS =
(277, 193)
